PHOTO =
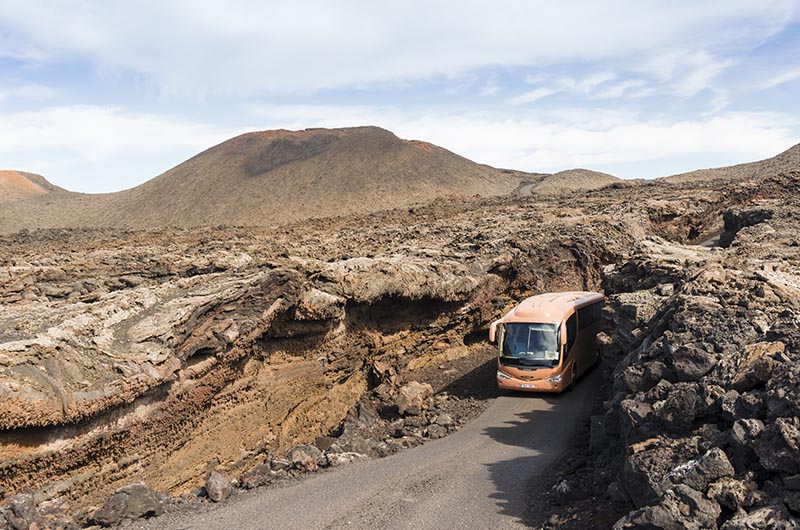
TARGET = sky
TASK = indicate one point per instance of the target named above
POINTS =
(100, 96)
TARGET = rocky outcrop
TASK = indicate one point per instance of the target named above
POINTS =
(705, 407)
(155, 356)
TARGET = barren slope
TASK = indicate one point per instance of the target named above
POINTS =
(19, 185)
(789, 160)
(573, 180)
(274, 177)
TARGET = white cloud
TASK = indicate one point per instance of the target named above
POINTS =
(686, 73)
(590, 83)
(534, 95)
(94, 148)
(197, 47)
(617, 90)
(29, 91)
(786, 76)
(584, 86)
(563, 139)
(490, 88)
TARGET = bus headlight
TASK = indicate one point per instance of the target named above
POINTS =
(554, 379)
(501, 375)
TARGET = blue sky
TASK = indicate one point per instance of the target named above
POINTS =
(102, 96)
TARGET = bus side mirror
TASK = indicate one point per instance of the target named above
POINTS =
(493, 331)
(562, 334)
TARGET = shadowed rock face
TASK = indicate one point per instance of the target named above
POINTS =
(705, 393)
(148, 356)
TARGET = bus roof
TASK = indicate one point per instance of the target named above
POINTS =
(550, 307)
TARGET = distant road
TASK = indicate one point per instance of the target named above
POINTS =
(476, 478)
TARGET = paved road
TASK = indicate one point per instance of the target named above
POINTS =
(476, 478)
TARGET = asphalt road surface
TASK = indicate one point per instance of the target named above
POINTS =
(479, 477)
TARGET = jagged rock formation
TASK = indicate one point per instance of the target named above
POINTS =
(154, 356)
(701, 425)
(143, 356)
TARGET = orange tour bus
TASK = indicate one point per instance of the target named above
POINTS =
(547, 341)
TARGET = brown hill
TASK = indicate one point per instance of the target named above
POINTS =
(571, 180)
(789, 160)
(16, 185)
(274, 177)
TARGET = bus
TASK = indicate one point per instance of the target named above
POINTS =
(547, 341)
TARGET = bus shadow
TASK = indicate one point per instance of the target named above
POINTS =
(514, 490)
(479, 383)
(545, 433)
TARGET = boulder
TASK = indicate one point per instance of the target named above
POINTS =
(217, 486)
(698, 474)
(129, 502)
(435, 432)
(691, 362)
(637, 419)
(280, 464)
(323, 443)
(745, 430)
(733, 494)
(336, 459)
(382, 373)
(778, 447)
(20, 511)
(258, 476)
(754, 364)
(412, 398)
(443, 420)
(766, 518)
(741, 436)
(642, 377)
(678, 409)
(305, 457)
(681, 508)
(734, 405)
(783, 392)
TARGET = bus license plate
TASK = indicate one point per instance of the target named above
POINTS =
(526, 385)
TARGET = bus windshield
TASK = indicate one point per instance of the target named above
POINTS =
(530, 344)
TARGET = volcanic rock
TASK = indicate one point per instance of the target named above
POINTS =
(412, 397)
(681, 508)
(218, 487)
(305, 457)
(129, 502)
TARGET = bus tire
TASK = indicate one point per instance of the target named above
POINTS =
(574, 376)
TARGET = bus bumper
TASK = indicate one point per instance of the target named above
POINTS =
(530, 385)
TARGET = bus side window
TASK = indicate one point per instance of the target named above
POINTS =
(589, 315)
(571, 332)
